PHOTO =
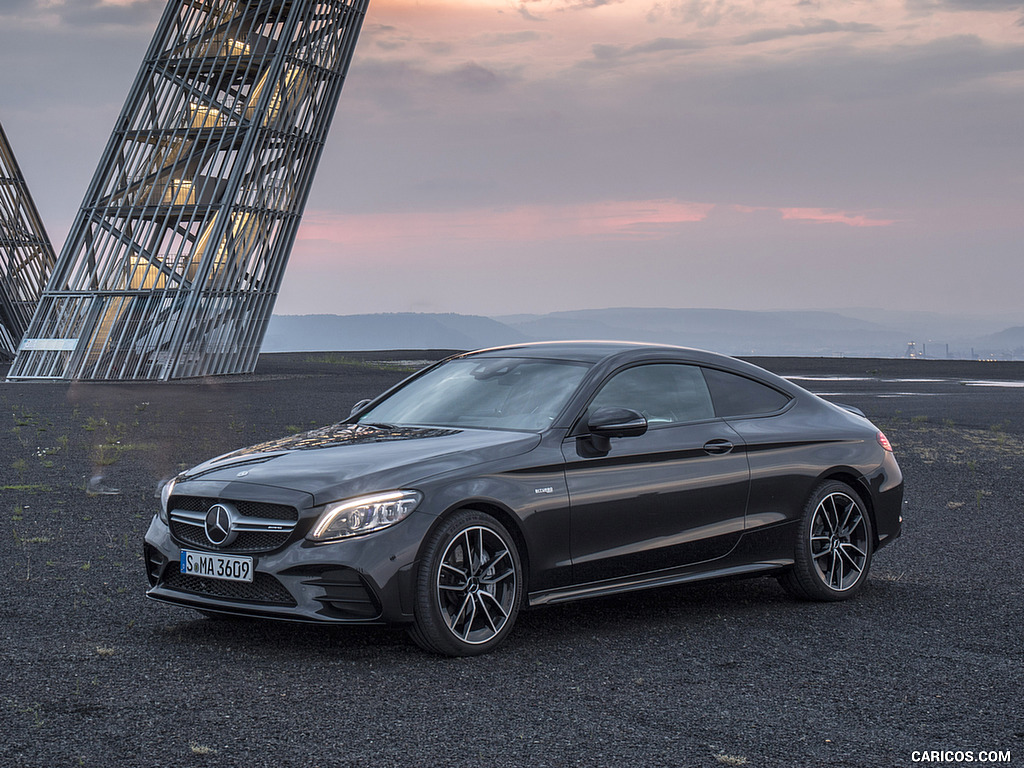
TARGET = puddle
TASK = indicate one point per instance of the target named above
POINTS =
(984, 383)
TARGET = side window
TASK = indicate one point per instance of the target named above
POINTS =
(665, 393)
(739, 396)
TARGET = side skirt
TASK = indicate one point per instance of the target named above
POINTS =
(650, 581)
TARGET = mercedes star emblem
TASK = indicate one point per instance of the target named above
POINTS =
(219, 529)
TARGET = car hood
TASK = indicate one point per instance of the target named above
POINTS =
(345, 460)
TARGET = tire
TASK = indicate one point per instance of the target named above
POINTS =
(833, 547)
(469, 587)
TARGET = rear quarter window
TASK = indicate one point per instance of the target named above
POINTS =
(735, 395)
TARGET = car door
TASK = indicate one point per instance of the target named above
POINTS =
(673, 496)
(783, 470)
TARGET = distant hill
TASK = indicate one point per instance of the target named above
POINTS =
(1009, 339)
(953, 326)
(315, 333)
(733, 332)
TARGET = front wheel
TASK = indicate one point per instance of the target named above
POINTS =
(833, 548)
(469, 588)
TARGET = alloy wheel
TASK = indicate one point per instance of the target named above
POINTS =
(477, 584)
(839, 542)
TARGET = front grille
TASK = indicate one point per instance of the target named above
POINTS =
(248, 541)
(263, 589)
(189, 527)
(247, 508)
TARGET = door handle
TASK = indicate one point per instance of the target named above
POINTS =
(718, 446)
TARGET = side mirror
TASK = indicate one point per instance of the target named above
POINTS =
(617, 422)
(606, 423)
(359, 406)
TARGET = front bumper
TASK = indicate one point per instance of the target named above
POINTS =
(363, 580)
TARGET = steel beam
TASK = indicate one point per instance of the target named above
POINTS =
(176, 257)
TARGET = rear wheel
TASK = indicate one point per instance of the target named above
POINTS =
(833, 548)
(469, 587)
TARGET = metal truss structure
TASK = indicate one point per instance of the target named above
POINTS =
(26, 256)
(174, 262)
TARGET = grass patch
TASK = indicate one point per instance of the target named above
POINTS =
(22, 417)
(110, 453)
(92, 424)
(35, 711)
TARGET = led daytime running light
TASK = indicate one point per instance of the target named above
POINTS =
(364, 514)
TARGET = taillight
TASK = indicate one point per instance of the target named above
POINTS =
(884, 441)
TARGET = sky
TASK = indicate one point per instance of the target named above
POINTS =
(501, 157)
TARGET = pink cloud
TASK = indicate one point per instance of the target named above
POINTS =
(629, 219)
(822, 215)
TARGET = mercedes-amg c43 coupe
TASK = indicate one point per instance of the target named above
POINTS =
(528, 475)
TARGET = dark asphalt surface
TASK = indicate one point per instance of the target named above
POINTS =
(929, 657)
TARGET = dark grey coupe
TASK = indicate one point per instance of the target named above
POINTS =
(528, 475)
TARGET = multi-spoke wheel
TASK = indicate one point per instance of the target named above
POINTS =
(470, 586)
(833, 548)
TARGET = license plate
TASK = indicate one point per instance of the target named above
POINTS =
(211, 566)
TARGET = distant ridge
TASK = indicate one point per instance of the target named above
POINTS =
(734, 332)
(406, 330)
(1011, 339)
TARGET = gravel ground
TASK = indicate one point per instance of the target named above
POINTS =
(929, 657)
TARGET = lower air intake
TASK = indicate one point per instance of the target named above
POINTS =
(263, 589)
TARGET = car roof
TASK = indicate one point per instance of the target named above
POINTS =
(591, 351)
(626, 352)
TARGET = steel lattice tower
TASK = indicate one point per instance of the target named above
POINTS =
(173, 263)
(26, 256)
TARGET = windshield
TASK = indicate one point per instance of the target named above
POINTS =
(489, 392)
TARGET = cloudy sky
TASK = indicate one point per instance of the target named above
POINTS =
(497, 157)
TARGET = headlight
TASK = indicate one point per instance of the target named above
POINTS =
(364, 514)
(165, 496)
